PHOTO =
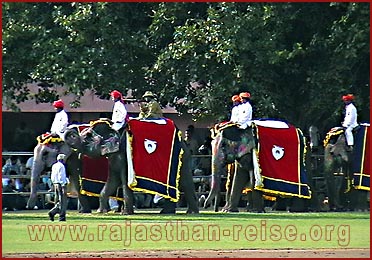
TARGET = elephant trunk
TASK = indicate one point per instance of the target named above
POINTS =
(214, 193)
(37, 167)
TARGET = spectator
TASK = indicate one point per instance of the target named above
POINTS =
(29, 163)
(10, 201)
(114, 205)
(12, 167)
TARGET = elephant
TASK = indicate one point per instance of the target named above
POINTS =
(89, 143)
(233, 145)
(252, 153)
(44, 156)
(338, 173)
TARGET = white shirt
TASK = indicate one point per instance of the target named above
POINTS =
(350, 119)
(58, 174)
(119, 115)
(245, 115)
(234, 114)
(60, 123)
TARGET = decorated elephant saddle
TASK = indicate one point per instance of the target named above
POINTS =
(101, 134)
(232, 133)
(332, 135)
(48, 138)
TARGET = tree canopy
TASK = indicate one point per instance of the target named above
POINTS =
(296, 59)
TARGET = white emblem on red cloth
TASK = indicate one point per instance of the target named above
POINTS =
(150, 145)
(278, 152)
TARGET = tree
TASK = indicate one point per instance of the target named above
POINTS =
(297, 59)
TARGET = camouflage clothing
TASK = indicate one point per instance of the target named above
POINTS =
(150, 109)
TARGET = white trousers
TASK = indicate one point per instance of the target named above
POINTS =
(349, 135)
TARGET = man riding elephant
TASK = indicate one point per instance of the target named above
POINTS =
(350, 120)
(150, 108)
(60, 121)
(49, 145)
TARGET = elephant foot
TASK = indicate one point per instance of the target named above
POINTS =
(101, 210)
(31, 203)
(85, 211)
(127, 211)
(32, 208)
(338, 209)
(232, 210)
(168, 211)
(190, 211)
(256, 211)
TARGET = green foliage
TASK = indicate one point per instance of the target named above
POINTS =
(297, 59)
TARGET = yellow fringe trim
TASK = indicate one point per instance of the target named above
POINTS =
(330, 134)
(101, 120)
(48, 140)
(92, 194)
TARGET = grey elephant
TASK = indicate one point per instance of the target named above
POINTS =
(268, 146)
(338, 170)
(90, 143)
(233, 145)
(44, 156)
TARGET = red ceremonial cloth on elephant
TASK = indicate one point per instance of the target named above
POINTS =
(94, 176)
(280, 158)
(94, 171)
(153, 151)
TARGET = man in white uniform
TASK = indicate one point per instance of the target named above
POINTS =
(245, 111)
(119, 112)
(235, 108)
(350, 120)
(60, 121)
(60, 181)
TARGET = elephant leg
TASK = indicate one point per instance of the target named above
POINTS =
(188, 187)
(128, 200)
(109, 189)
(37, 166)
(214, 193)
(239, 182)
(169, 207)
(229, 182)
(31, 203)
(332, 191)
(257, 201)
(83, 200)
(339, 183)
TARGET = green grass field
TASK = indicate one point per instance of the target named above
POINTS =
(31, 231)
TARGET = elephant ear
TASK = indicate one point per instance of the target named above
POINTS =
(73, 139)
(233, 133)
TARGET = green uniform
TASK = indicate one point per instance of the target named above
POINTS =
(150, 109)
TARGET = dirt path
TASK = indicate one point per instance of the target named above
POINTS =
(259, 253)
